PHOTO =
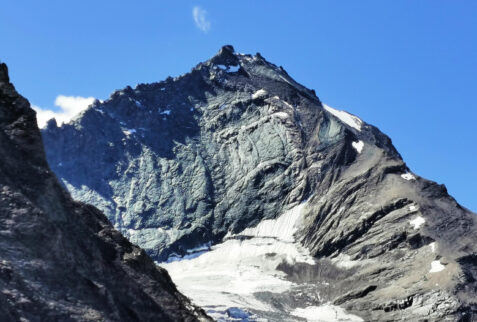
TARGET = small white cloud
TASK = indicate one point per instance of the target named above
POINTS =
(69, 106)
(200, 18)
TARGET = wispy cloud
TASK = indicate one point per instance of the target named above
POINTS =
(69, 106)
(200, 18)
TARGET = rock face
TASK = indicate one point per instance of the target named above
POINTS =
(236, 172)
(61, 260)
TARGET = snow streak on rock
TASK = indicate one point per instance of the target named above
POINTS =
(347, 118)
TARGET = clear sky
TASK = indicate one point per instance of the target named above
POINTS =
(408, 67)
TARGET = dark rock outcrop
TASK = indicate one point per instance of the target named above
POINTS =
(61, 260)
(199, 158)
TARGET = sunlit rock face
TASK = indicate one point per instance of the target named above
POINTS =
(264, 203)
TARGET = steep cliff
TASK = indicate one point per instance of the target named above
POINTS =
(61, 260)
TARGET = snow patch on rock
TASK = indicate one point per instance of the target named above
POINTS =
(129, 131)
(281, 115)
(345, 261)
(260, 93)
(345, 117)
(436, 267)
(417, 222)
(358, 146)
(408, 176)
(433, 247)
(282, 228)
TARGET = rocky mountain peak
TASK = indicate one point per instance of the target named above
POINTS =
(236, 167)
(4, 73)
(225, 56)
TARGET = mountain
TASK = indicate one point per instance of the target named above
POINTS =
(263, 202)
(61, 260)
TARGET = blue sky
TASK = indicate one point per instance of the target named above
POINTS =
(408, 67)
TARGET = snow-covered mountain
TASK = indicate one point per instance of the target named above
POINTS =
(61, 260)
(264, 203)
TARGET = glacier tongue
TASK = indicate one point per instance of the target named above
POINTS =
(232, 273)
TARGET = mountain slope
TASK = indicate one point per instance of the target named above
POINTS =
(265, 200)
(61, 259)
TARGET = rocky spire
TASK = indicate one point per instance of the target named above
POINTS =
(226, 56)
(4, 73)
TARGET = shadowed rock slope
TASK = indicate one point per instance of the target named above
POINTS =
(196, 160)
(61, 260)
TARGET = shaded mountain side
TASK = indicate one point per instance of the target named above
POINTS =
(61, 260)
(193, 161)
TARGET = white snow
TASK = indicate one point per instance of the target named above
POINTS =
(347, 118)
(199, 248)
(284, 102)
(231, 272)
(417, 222)
(138, 104)
(281, 115)
(408, 176)
(412, 208)
(191, 253)
(129, 131)
(436, 266)
(433, 247)
(166, 112)
(344, 261)
(259, 93)
(325, 313)
(281, 228)
(176, 258)
(358, 146)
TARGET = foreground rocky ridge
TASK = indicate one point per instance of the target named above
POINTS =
(62, 260)
(202, 159)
